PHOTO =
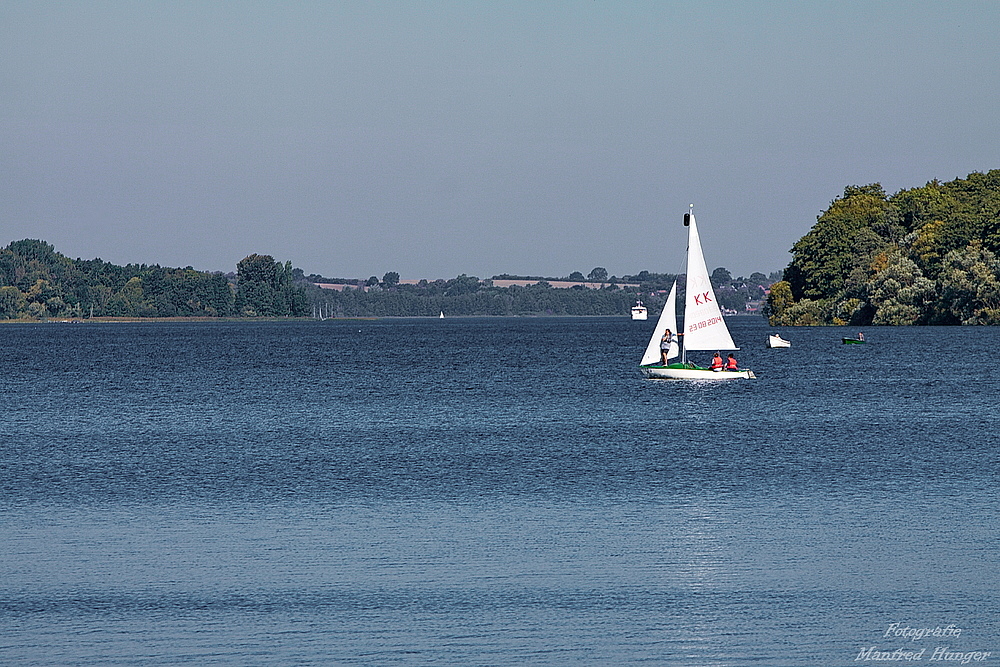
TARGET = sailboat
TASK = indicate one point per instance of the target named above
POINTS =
(704, 328)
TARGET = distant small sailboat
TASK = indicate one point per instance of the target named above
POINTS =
(774, 340)
(639, 311)
(441, 316)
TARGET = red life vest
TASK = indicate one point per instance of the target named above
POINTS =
(731, 365)
(716, 362)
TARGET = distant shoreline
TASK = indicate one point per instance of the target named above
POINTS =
(151, 320)
(129, 320)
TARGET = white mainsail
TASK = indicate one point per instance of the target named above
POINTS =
(667, 320)
(704, 328)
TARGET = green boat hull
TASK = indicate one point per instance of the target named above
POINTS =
(692, 372)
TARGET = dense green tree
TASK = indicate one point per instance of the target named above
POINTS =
(41, 291)
(843, 238)
(258, 299)
(898, 292)
(721, 277)
(463, 284)
(257, 269)
(805, 312)
(265, 289)
(923, 255)
(970, 285)
(13, 303)
(778, 301)
(598, 274)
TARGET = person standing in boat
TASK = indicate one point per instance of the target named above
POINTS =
(716, 362)
(665, 343)
(731, 364)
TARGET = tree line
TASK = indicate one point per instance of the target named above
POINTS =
(36, 282)
(926, 255)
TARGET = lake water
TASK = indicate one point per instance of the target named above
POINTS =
(492, 492)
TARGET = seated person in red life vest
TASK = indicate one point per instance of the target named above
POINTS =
(716, 362)
(731, 364)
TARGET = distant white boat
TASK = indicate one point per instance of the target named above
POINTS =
(639, 311)
(441, 316)
(774, 340)
(705, 328)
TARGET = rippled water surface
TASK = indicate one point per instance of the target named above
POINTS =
(491, 492)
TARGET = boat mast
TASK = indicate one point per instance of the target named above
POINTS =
(687, 256)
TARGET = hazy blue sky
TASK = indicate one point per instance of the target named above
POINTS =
(439, 138)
